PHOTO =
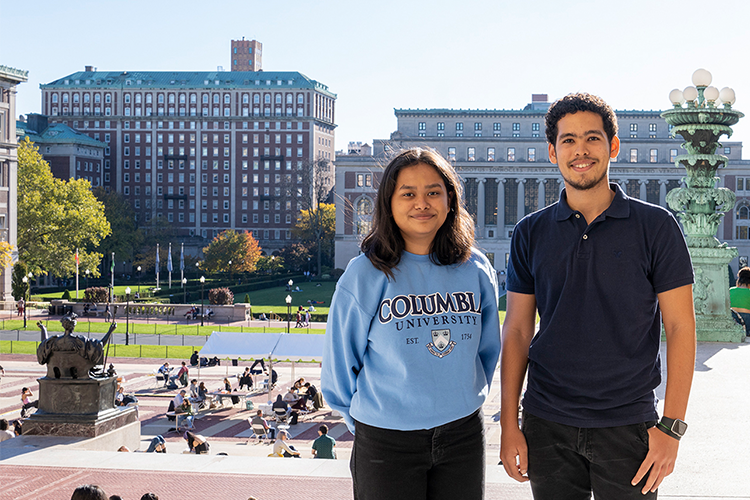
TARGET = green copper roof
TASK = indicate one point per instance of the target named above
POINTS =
(188, 80)
(57, 133)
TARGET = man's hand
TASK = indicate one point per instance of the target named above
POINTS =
(514, 453)
(661, 457)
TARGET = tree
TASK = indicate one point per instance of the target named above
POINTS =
(296, 256)
(270, 264)
(125, 238)
(55, 218)
(317, 227)
(17, 286)
(316, 177)
(239, 248)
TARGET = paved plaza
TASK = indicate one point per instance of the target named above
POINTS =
(712, 464)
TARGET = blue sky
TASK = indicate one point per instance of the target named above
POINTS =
(377, 56)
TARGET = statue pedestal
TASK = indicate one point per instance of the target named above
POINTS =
(77, 407)
(713, 318)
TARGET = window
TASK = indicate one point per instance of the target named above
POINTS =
(531, 154)
(451, 154)
(477, 126)
(511, 154)
(441, 126)
(459, 126)
(535, 130)
(727, 151)
(471, 154)
(672, 155)
(633, 155)
(652, 127)
(653, 156)
(490, 154)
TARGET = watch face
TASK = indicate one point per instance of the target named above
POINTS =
(679, 427)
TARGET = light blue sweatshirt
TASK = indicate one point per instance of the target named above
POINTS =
(415, 352)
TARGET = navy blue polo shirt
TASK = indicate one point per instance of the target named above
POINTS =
(595, 359)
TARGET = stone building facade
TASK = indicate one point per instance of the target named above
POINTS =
(9, 80)
(502, 157)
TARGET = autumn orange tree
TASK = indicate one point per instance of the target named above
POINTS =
(231, 251)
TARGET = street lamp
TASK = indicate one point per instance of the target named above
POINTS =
(127, 316)
(87, 278)
(139, 279)
(184, 291)
(25, 304)
(290, 285)
(288, 300)
(701, 114)
(203, 281)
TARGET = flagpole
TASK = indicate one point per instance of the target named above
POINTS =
(112, 272)
(182, 265)
(169, 264)
(157, 266)
(76, 273)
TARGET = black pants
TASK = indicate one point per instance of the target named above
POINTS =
(446, 462)
(569, 463)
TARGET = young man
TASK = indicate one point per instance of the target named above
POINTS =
(323, 447)
(599, 267)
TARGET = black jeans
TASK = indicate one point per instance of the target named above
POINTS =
(446, 462)
(569, 463)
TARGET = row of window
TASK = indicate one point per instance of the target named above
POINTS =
(172, 125)
(182, 98)
(653, 155)
(171, 111)
(515, 129)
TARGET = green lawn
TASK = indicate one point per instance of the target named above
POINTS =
(115, 350)
(263, 301)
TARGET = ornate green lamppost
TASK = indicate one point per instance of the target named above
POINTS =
(705, 117)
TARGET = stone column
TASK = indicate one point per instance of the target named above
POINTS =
(663, 193)
(540, 193)
(480, 208)
(501, 207)
(521, 210)
(642, 193)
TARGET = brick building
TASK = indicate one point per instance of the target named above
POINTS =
(205, 151)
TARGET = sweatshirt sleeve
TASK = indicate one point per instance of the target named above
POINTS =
(345, 345)
(489, 344)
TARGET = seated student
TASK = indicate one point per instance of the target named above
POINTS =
(193, 389)
(323, 447)
(185, 412)
(181, 376)
(5, 432)
(739, 297)
(202, 394)
(259, 420)
(246, 379)
(164, 372)
(314, 395)
(263, 317)
(157, 445)
(194, 359)
(27, 403)
(196, 442)
(281, 448)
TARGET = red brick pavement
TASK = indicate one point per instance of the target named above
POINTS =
(58, 483)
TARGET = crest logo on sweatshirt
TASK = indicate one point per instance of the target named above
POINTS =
(441, 344)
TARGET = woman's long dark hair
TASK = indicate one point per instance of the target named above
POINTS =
(384, 244)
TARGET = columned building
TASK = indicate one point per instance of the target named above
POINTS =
(502, 157)
(203, 151)
(9, 80)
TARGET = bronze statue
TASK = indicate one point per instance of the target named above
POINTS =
(69, 355)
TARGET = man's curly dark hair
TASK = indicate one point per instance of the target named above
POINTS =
(573, 103)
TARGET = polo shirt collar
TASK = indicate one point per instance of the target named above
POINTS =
(619, 208)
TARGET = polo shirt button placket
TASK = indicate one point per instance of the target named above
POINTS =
(585, 236)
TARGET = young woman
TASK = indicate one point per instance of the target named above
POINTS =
(413, 340)
(26, 394)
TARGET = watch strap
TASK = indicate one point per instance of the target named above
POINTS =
(668, 426)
